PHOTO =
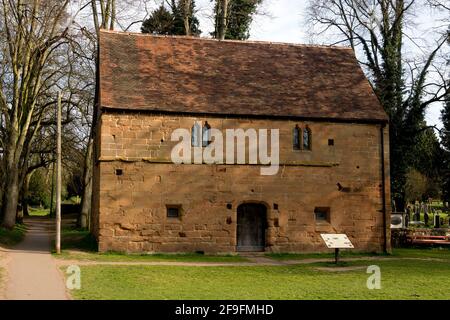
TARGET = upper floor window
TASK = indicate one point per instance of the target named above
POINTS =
(196, 135)
(296, 138)
(206, 134)
(201, 134)
(301, 138)
(307, 139)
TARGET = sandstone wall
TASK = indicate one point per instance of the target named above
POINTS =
(131, 208)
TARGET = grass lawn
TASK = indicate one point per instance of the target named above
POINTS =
(420, 278)
(12, 237)
(424, 253)
(157, 257)
(330, 255)
(36, 212)
(400, 279)
(434, 253)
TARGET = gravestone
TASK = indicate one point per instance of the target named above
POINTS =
(425, 208)
(426, 218)
(407, 218)
(437, 221)
(408, 211)
(416, 211)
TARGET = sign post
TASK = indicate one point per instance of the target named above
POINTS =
(336, 242)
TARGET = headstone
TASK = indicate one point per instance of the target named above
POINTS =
(437, 221)
(416, 211)
(425, 208)
(407, 218)
(408, 212)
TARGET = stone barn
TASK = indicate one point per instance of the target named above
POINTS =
(323, 124)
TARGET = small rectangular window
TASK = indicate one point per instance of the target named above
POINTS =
(322, 214)
(173, 211)
(331, 142)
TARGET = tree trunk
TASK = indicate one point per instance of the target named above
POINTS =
(25, 190)
(11, 195)
(223, 19)
(87, 190)
(186, 14)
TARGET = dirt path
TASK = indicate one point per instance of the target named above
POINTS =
(32, 272)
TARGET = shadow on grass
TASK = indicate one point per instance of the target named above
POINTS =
(12, 237)
(82, 240)
(342, 254)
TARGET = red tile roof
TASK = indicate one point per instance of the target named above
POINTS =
(194, 75)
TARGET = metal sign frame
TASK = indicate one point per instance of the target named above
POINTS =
(337, 241)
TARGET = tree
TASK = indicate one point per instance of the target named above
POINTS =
(427, 153)
(221, 11)
(185, 21)
(179, 20)
(161, 21)
(33, 32)
(376, 32)
(445, 140)
(106, 17)
(233, 18)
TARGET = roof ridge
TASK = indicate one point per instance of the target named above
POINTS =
(227, 41)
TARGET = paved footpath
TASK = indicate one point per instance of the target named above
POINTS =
(32, 272)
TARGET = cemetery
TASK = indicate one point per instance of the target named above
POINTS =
(421, 224)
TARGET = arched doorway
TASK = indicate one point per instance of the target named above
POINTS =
(251, 227)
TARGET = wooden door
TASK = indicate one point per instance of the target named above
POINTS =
(251, 227)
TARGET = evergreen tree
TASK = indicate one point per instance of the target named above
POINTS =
(172, 22)
(179, 11)
(239, 18)
(161, 21)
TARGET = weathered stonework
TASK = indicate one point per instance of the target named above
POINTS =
(129, 210)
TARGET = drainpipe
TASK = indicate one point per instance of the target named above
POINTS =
(383, 186)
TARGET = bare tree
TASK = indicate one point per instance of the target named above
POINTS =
(33, 31)
(376, 30)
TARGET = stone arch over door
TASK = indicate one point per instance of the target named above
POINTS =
(251, 227)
